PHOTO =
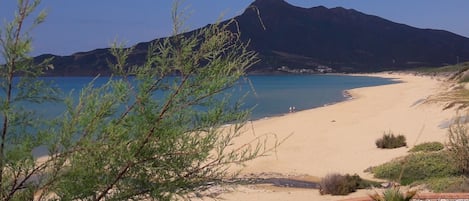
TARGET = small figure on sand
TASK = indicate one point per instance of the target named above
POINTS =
(291, 109)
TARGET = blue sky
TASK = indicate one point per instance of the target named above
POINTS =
(82, 25)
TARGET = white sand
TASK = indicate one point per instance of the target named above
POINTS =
(341, 138)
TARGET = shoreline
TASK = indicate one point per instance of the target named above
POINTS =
(339, 138)
(346, 95)
(356, 94)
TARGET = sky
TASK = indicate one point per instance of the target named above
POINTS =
(83, 25)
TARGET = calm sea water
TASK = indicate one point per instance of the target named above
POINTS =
(271, 95)
(275, 94)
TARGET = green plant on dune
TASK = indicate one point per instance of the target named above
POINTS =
(428, 147)
(452, 184)
(393, 194)
(441, 170)
(417, 167)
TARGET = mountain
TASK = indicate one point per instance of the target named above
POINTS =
(289, 38)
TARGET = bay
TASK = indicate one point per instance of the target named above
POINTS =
(276, 94)
(270, 95)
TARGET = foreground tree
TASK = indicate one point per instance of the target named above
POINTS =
(151, 132)
(22, 128)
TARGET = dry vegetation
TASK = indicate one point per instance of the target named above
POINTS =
(457, 96)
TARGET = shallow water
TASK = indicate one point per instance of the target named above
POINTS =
(270, 95)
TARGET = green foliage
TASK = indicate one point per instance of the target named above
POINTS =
(440, 170)
(393, 194)
(389, 141)
(457, 154)
(133, 145)
(417, 167)
(337, 184)
(455, 184)
(428, 147)
(151, 132)
(22, 128)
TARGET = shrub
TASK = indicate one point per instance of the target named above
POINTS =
(458, 144)
(389, 141)
(428, 147)
(337, 184)
(393, 194)
(417, 167)
(460, 185)
(464, 78)
(448, 184)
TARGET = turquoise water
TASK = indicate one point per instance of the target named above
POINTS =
(275, 94)
(271, 95)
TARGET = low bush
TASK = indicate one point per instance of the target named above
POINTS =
(458, 186)
(337, 184)
(428, 147)
(393, 194)
(417, 167)
(447, 184)
(390, 141)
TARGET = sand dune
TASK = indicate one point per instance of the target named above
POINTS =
(340, 138)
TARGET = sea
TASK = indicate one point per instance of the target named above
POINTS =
(269, 95)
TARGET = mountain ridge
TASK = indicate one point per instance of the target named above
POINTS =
(310, 39)
(358, 49)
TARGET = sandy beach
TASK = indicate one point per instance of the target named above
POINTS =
(340, 138)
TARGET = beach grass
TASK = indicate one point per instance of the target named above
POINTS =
(428, 147)
(391, 141)
(457, 97)
(452, 184)
(444, 69)
(417, 167)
